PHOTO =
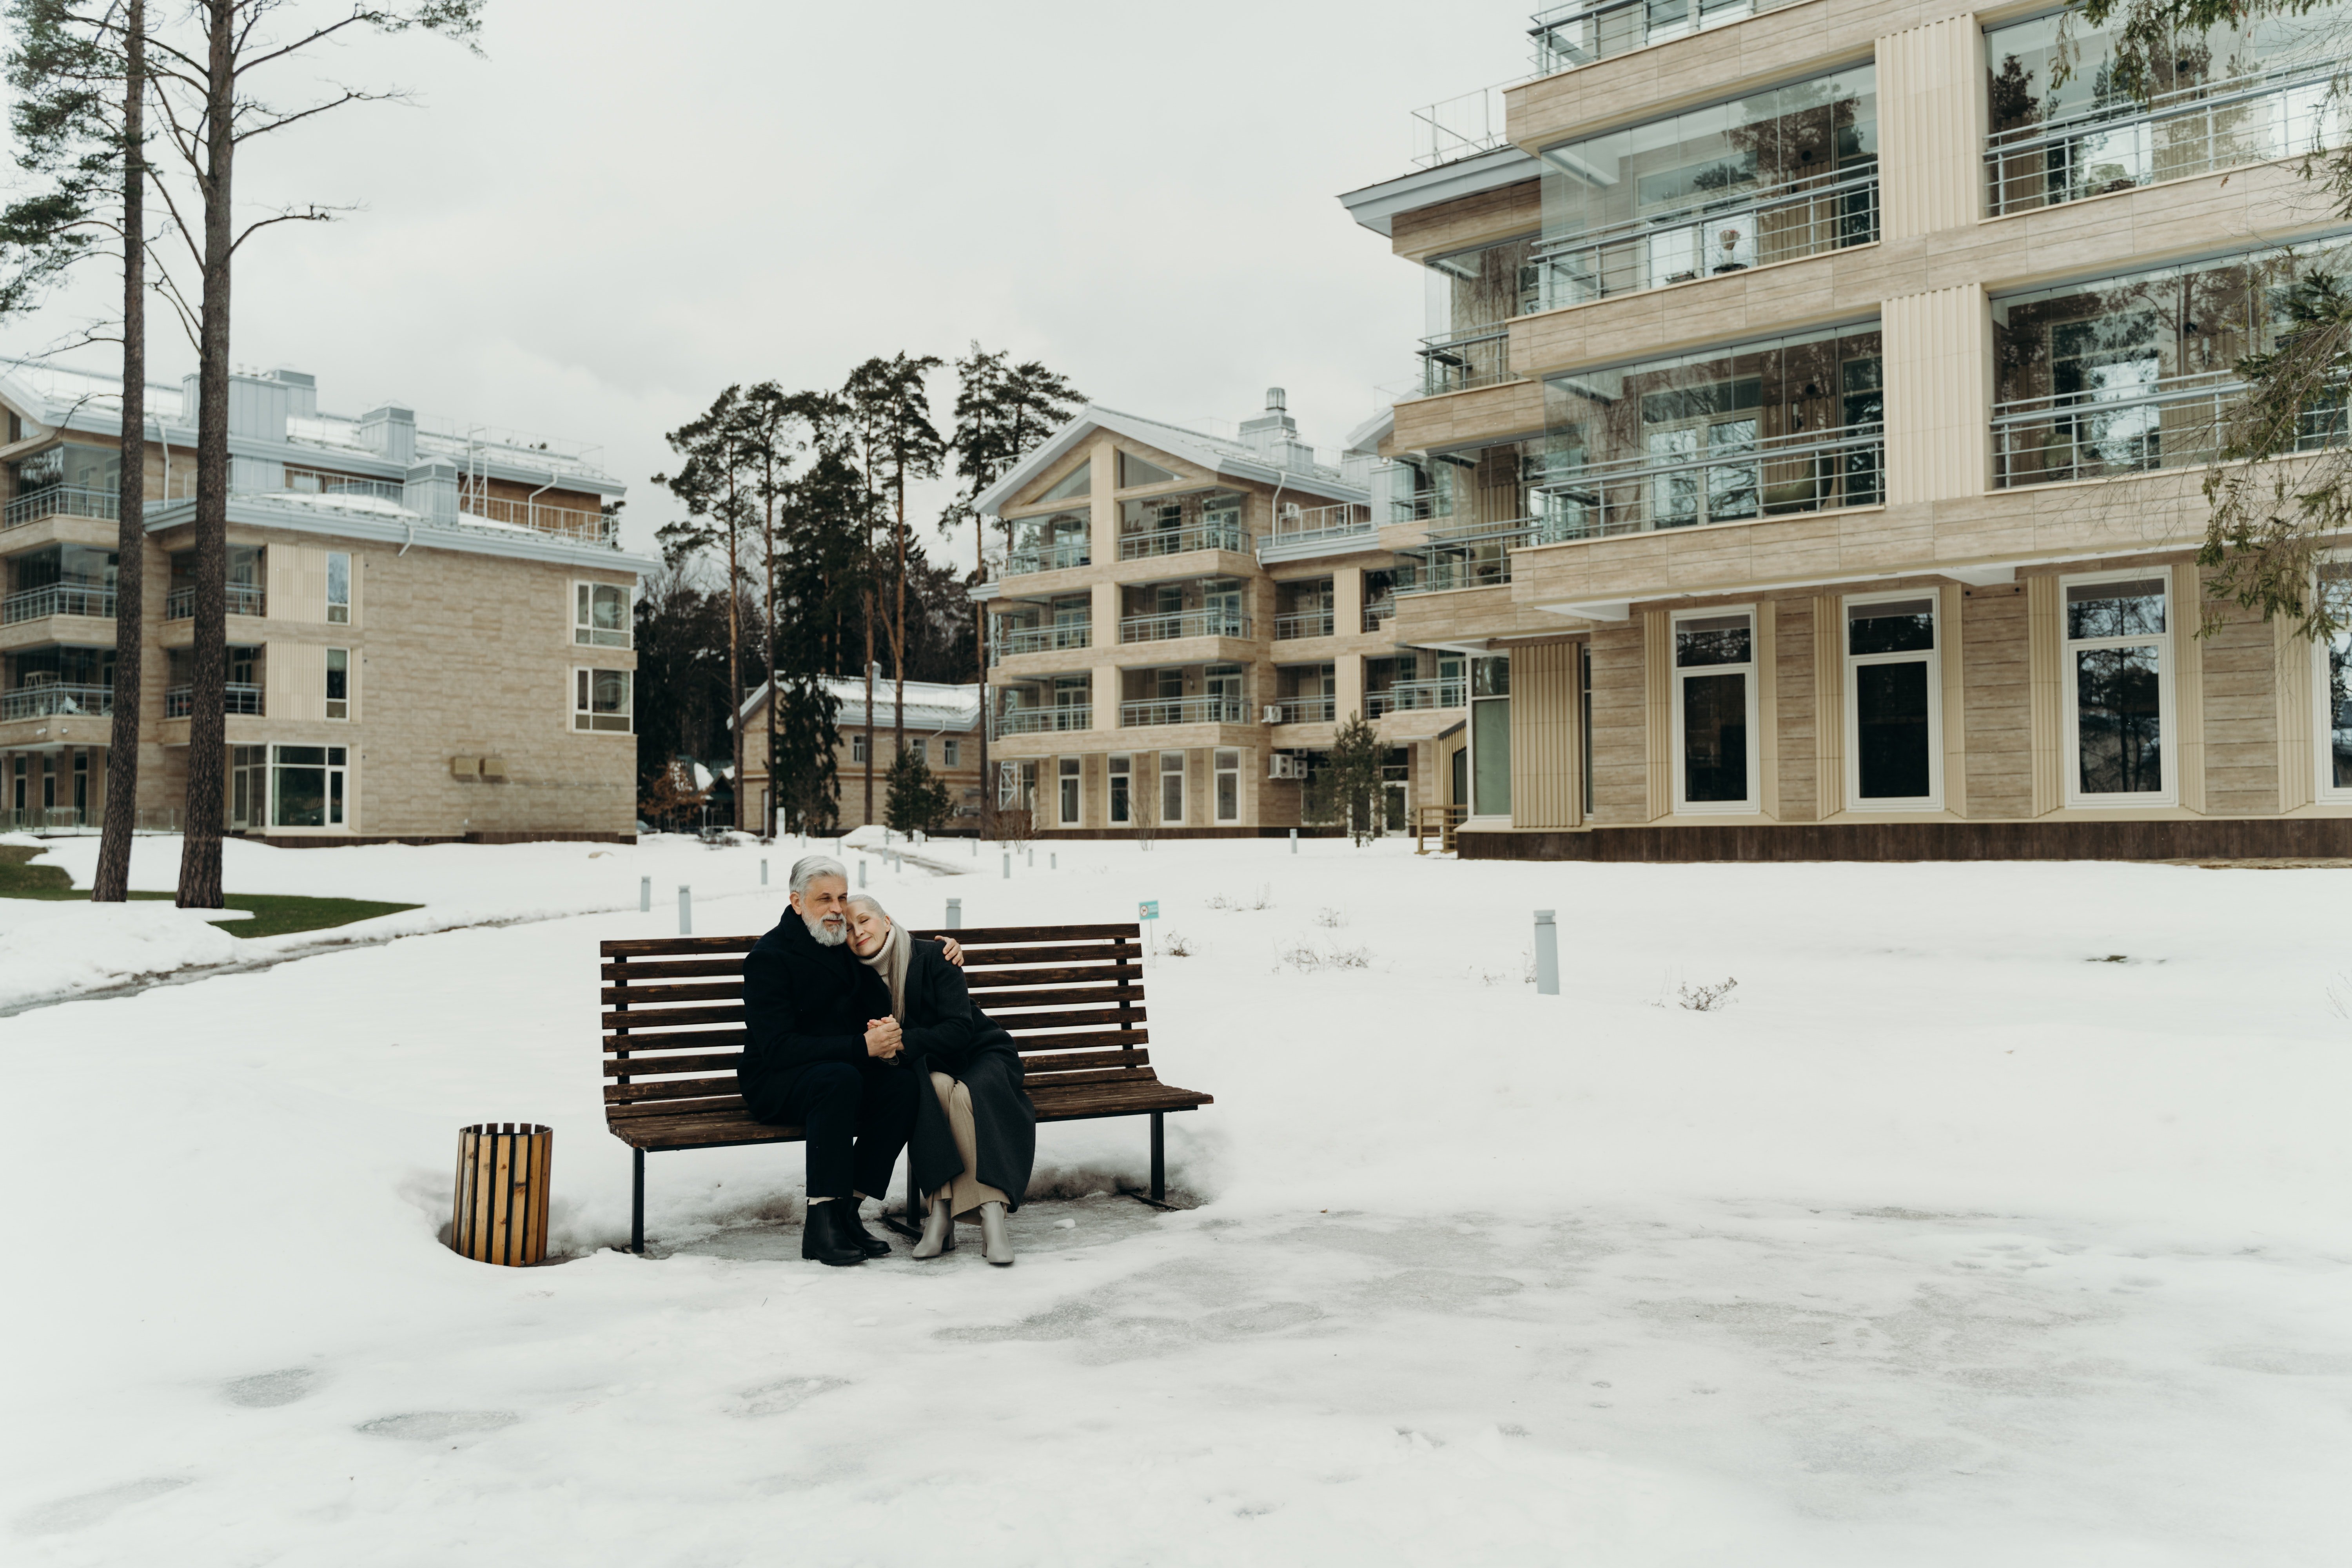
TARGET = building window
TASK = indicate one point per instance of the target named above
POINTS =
(1120, 801)
(249, 787)
(1078, 481)
(920, 749)
(1715, 711)
(600, 615)
(600, 700)
(339, 683)
(2334, 680)
(2118, 682)
(1171, 787)
(308, 786)
(1584, 717)
(857, 748)
(1490, 737)
(339, 588)
(1894, 717)
(1066, 770)
(949, 750)
(1229, 786)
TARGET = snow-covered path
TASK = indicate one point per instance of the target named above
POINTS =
(1945, 1242)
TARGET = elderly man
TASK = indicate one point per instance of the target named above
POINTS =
(823, 1052)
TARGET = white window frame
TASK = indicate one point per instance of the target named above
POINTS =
(858, 747)
(922, 747)
(2323, 716)
(2167, 729)
(1472, 722)
(1754, 804)
(1219, 772)
(326, 660)
(949, 752)
(338, 614)
(1115, 772)
(583, 631)
(582, 698)
(341, 798)
(1168, 819)
(1934, 658)
(1069, 790)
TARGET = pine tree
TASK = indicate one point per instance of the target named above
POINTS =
(918, 801)
(1352, 775)
(892, 410)
(716, 484)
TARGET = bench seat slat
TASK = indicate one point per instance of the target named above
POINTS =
(722, 1126)
(651, 969)
(645, 1089)
(1045, 1068)
(1001, 958)
(993, 936)
(1009, 1004)
(1066, 975)
(674, 1039)
(677, 946)
(1105, 1075)
(1131, 1013)
(712, 991)
(675, 1015)
(645, 1065)
(1083, 1041)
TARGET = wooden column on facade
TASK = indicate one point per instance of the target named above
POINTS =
(1768, 708)
(1545, 771)
(1953, 697)
(2045, 713)
(1828, 708)
(2297, 765)
(2189, 683)
(1657, 688)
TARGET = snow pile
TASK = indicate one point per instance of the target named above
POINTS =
(50, 947)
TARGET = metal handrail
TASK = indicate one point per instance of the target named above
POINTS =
(2037, 183)
(1380, 613)
(243, 599)
(1607, 262)
(1307, 624)
(563, 522)
(1179, 540)
(1046, 639)
(1183, 623)
(1798, 472)
(1567, 36)
(1444, 577)
(1416, 695)
(1049, 558)
(1336, 521)
(1185, 711)
(52, 701)
(237, 697)
(1460, 361)
(1043, 721)
(60, 501)
(59, 599)
(1459, 127)
(2150, 433)
(1304, 709)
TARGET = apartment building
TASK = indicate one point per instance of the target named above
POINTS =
(942, 729)
(1183, 619)
(1806, 451)
(429, 627)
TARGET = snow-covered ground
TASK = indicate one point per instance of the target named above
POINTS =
(1998, 1215)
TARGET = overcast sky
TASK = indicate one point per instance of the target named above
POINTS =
(627, 205)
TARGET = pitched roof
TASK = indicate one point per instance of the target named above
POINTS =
(1216, 454)
(931, 706)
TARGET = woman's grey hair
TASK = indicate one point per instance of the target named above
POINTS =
(809, 868)
(868, 901)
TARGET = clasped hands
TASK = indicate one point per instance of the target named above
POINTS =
(883, 1040)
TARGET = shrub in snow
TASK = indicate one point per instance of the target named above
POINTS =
(1261, 899)
(1307, 958)
(1178, 946)
(1330, 920)
(1707, 998)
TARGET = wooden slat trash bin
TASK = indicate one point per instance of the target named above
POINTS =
(501, 1214)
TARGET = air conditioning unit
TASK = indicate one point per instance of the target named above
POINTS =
(1285, 765)
(1273, 714)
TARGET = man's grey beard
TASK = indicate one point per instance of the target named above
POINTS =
(837, 933)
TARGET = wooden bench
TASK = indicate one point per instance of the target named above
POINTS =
(1070, 996)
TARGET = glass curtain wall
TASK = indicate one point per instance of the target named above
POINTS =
(1050, 541)
(2139, 372)
(1473, 295)
(2065, 126)
(1778, 426)
(1769, 178)
(1582, 31)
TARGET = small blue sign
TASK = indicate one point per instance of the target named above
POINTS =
(1148, 910)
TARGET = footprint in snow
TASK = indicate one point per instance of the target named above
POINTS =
(78, 1513)
(787, 1393)
(433, 1425)
(264, 1390)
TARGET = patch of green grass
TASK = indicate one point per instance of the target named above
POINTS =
(274, 914)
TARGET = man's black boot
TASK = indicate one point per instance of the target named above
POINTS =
(821, 1238)
(850, 1227)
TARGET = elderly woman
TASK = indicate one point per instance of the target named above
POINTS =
(976, 1135)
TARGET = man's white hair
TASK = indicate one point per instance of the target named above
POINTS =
(809, 868)
(868, 901)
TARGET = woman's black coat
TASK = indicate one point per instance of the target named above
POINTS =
(945, 1032)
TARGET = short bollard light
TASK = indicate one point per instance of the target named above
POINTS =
(1032, 859)
(1053, 862)
(645, 895)
(1294, 841)
(1008, 865)
(500, 1214)
(861, 871)
(685, 909)
(955, 914)
(763, 873)
(1546, 954)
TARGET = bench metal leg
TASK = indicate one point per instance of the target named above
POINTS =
(1159, 1156)
(637, 1200)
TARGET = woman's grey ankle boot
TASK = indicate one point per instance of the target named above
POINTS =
(995, 1245)
(939, 1230)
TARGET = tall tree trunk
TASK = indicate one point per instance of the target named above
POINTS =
(734, 645)
(112, 882)
(775, 783)
(200, 849)
(899, 627)
(869, 699)
(980, 651)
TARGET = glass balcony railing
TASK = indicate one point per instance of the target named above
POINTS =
(1049, 558)
(1043, 721)
(1307, 525)
(1461, 361)
(1184, 710)
(237, 697)
(1377, 614)
(1185, 623)
(1307, 624)
(1736, 481)
(180, 604)
(53, 700)
(1566, 36)
(1045, 639)
(1445, 574)
(59, 500)
(2120, 146)
(1416, 695)
(59, 599)
(1830, 213)
(1179, 540)
(1302, 711)
(2094, 436)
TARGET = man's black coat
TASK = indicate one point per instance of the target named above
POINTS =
(802, 1004)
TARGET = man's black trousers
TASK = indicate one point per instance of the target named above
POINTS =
(856, 1120)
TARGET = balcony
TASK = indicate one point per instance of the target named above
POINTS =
(2194, 130)
(1459, 361)
(1303, 710)
(1444, 575)
(1307, 624)
(1045, 639)
(1378, 613)
(1049, 558)
(1459, 128)
(180, 604)
(1830, 213)
(1419, 696)
(561, 522)
(1734, 482)
(1184, 710)
(1184, 624)
(2092, 436)
(1042, 721)
(51, 699)
(238, 697)
(59, 599)
(1566, 36)
(1179, 540)
(59, 500)
(1303, 532)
